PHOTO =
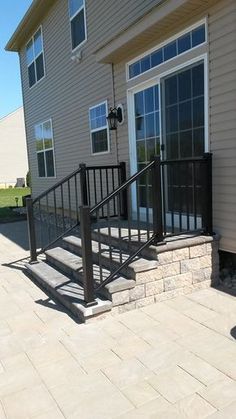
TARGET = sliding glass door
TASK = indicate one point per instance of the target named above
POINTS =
(170, 113)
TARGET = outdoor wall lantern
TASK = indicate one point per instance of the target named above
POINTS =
(115, 117)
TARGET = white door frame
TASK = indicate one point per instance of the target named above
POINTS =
(152, 82)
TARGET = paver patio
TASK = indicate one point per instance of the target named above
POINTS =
(175, 359)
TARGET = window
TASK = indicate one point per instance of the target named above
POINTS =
(181, 44)
(184, 112)
(35, 58)
(99, 128)
(77, 22)
(45, 150)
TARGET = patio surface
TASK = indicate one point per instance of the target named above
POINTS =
(175, 359)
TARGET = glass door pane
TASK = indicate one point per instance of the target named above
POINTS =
(147, 134)
(183, 129)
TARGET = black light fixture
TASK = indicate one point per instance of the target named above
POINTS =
(115, 116)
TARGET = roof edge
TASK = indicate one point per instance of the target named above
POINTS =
(32, 17)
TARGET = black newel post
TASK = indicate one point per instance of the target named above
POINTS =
(124, 211)
(85, 229)
(207, 206)
(157, 210)
(83, 184)
(31, 230)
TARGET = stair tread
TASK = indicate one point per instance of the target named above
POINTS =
(69, 292)
(138, 265)
(74, 262)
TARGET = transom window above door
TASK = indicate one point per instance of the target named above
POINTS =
(182, 43)
(35, 58)
(77, 22)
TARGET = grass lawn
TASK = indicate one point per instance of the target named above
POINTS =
(7, 200)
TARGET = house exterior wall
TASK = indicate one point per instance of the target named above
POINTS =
(13, 154)
(70, 88)
(221, 20)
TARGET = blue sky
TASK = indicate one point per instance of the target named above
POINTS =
(10, 85)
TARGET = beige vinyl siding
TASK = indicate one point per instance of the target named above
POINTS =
(222, 85)
(70, 88)
(222, 112)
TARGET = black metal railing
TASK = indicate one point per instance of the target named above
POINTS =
(55, 212)
(165, 198)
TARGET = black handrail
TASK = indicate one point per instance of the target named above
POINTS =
(190, 213)
(57, 209)
(58, 184)
(121, 188)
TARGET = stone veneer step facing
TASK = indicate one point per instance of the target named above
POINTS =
(162, 272)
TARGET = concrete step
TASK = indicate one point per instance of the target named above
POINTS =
(109, 256)
(71, 265)
(69, 293)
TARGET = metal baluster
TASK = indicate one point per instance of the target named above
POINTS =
(48, 220)
(69, 199)
(109, 234)
(138, 209)
(163, 183)
(157, 200)
(129, 218)
(113, 187)
(40, 225)
(122, 179)
(55, 211)
(62, 208)
(101, 189)
(180, 195)
(99, 247)
(95, 186)
(194, 196)
(147, 206)
(119, 228)
(76, 200)
(89, 191)
(187, 197)
(172, 199)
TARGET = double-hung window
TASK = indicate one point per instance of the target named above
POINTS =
(77, 22)
(35, 58)
(45, 149)
(99, 128)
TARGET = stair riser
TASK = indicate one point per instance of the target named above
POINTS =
(64, 268)
(128, 272)
(66, 303)
(146, 253)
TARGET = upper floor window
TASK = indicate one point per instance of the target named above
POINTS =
(99, 128)
(35, 58)
(77, 22)
(181, 44)
(45, 149)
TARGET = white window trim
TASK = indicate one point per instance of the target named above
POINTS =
(85, 26)
(48, 149)
(164, 43)
(105, 102)
(36, 56)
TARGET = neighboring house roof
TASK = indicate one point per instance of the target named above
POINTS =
(27, 25)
